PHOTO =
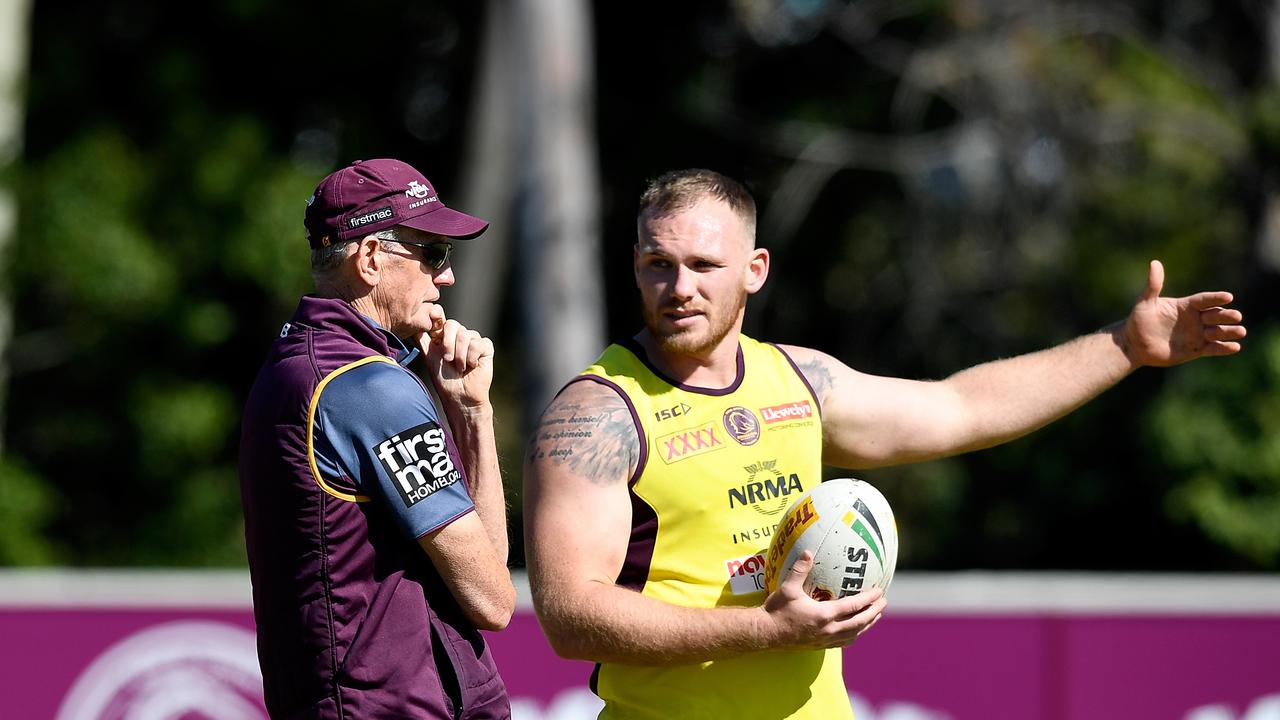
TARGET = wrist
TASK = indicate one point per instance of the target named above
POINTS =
(476, 413)
(765, 629)
(1119, 332)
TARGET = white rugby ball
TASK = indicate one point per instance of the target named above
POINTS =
(849, 527)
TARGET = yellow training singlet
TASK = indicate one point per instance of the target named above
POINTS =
(717, 470)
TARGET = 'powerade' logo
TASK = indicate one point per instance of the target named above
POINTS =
(418, 460)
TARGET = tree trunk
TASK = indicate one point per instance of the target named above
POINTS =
(530, 170)
(561, 293)
(14, 18)
(1269, 227)
(489, 176)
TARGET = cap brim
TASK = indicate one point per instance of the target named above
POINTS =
(449, 223)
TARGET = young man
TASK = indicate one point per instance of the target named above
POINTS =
(655, 479)
(376, 536)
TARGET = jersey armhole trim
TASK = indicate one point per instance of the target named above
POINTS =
(635, 419)
(816, 402)
(311, 428)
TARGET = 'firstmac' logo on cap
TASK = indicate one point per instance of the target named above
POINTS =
(382, 213)
(418, 461)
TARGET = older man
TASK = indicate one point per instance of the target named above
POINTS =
(376, 532)
(636, 529)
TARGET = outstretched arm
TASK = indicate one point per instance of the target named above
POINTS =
(577, 526)
(871, 421)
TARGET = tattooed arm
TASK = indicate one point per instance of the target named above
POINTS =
(874, 421)
(869, 421)
(577, 526)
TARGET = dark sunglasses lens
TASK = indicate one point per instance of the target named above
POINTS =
(437, 254)
(434, 254)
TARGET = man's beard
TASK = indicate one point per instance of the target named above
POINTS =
(693, 341)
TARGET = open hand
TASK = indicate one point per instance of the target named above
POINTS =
(1165, 331)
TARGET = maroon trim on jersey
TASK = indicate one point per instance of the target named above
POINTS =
(634, 346)
(635, 418)
(803, 379)
(644, 521)
(644, 535)
(594, 681)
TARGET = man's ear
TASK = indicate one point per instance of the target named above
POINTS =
(757, 270)
(369, 260)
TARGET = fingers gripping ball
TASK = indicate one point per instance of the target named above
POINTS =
(849, 527)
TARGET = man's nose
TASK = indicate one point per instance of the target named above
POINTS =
(685, 283)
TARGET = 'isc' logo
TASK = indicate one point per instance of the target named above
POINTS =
(672, 412)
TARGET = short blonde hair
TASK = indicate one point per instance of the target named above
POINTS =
(679, 190)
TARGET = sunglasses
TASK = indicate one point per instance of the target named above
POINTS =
(435, 254)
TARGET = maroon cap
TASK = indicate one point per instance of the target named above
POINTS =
(372, 195)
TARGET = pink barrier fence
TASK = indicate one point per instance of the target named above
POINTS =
(73, 656)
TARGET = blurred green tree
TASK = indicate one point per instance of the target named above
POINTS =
(940, 183)
(1217, 428)
(943, 183)
(160, 246)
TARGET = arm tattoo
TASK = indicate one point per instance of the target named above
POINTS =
(815, 370)
(591, 437)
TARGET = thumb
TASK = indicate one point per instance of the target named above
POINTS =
(436, 314)
(1155, 281)
(431, 339)
(799, 571)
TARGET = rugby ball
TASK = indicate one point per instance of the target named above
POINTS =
(849, 527)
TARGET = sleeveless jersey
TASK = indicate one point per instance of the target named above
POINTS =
(718, 467)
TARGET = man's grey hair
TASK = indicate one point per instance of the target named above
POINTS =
(326, 261)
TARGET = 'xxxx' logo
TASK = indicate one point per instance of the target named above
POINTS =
(687, 443)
